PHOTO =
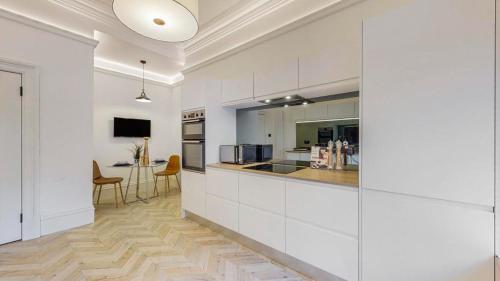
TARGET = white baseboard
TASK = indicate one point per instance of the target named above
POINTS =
(66, 220)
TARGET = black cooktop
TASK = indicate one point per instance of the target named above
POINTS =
(275, 168)
(293, 163)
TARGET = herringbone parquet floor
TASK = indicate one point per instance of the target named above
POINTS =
(138, 242)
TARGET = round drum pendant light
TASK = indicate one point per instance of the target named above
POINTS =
(163, 20)
(143, 97)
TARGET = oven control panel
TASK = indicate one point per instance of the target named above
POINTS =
(193, 115)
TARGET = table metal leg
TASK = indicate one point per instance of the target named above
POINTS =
(138, 181)
(128, 182)
(147, 183)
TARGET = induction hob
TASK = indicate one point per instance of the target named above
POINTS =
(276, 168)
(293, 163)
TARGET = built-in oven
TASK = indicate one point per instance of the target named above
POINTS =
(193, 155)
(193, 140)
(193, 125)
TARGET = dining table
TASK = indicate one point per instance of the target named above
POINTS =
(137, 166)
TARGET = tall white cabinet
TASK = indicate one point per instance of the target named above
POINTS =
(428, 142)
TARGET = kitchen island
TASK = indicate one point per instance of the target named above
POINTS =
(308, 217)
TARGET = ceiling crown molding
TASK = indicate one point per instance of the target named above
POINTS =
(231, 21)
(95, 10)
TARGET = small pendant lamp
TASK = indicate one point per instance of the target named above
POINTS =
(143, 97)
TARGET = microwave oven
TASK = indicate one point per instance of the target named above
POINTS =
(245, 153)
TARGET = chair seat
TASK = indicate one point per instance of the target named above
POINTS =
(103, 180)
(166, 173)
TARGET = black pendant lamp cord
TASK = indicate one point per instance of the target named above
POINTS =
(143, 63)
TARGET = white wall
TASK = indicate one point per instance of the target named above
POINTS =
(66, 79)
(114, 96)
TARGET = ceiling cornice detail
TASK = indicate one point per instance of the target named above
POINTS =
(35, 23)
(231, 21)
(93, 9)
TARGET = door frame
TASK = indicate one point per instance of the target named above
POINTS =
(30, 144)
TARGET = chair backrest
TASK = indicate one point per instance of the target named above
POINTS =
(174, 163)
(96, 171)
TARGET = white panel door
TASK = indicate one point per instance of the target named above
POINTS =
(264, 227)
(281, 78)
(413, 239)
(324, 205)
(222, 183)
(428, 100)
(262, 192)
(238, 88)
(222, 212)
(330, 251)
(10, 160)
(193, 192)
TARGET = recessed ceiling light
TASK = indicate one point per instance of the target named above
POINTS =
(159, 21)
(304, 103)
(181, 16)
(288, 97)
(286, 105)
(267, 101)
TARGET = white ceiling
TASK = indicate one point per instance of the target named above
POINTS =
(224, 24)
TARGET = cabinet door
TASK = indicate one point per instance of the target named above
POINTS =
(192, 94)
(264, 227)
(222, 212)
(316, 111)
(222, 183)
(432, 239)
(332, 252)
(334, 208)
(340, 62)
(426, 102)
(193, 192)
(237, 88)
(262, 192)
(281, 78)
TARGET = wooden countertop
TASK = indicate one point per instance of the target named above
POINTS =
(345, 178)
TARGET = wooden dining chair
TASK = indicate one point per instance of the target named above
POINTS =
(99, 181)
(172, 169)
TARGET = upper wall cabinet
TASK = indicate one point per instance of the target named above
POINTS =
(328, 67)
(193, 94)
(280, 78)
(237, 88)
(428, 101)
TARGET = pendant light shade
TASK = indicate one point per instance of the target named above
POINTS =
(143, 97)
(164, 20)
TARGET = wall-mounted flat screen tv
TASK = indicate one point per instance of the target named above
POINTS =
(134, 128)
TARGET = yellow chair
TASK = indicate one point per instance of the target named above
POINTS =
(99, 181)
(172, 169)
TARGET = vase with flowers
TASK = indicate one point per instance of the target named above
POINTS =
(136, 152)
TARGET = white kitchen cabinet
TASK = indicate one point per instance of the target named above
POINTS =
(431, 239)
(338, 205)
(428, 96)
(193, 192)
(316, 111)
(329, 251)
(264, 227)
(281, 77)
(223, 212)
(263, 192)
(222, 183)
(297, 113)
(237, 88)
(342, 109)
(337, 63)
(193, 94)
